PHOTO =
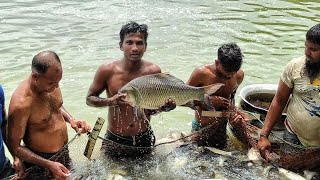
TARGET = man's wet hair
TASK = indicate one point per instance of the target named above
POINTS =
(133, 27)
(230, 57)
(41, 61)
(313, 35)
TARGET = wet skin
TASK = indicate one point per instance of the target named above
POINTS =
(113, 76)
(37, 117)
(223, 98)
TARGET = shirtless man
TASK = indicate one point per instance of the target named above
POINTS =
(37, 116)
(226, 70)
(125, 128)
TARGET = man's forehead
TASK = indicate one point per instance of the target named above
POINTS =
(310, 43)
(54, 69)
(223, 70)
(134, 35)
(53, 74)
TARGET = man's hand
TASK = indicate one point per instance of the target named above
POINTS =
(219, 103)
(236, 119)
(117, 99)
(169, 105)
(58, 170)
(264, 147)
(80, 126)
(19, 167)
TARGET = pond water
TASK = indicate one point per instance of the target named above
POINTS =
(183, 34)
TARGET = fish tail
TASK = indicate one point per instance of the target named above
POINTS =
(208, 90)
(212, 88)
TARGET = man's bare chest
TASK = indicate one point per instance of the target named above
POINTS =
(116, 82)
(226, 90)
(45, 109)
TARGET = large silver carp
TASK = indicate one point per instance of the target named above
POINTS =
(151, 91)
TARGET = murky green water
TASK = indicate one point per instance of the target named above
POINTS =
(183, 35)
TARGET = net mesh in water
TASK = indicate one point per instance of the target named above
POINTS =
(284, 154)
(71, 155)
(160, 167)
(75, 146)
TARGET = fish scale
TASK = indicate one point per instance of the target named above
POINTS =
(151, 91)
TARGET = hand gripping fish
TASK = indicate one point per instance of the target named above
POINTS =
(151, 91)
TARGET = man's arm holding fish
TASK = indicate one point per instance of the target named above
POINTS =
(169, 105)
(98, 86)
(196, 80)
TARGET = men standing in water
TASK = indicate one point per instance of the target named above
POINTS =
(128, 133)
(301, 80)
(226, 70)
(37, 116)
(5, 165)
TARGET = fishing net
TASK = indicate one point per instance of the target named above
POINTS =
(114, 149)
(37, 172)
(66, 156)
(71, 155)
(213, 135)
(284, 153)
(157, 166)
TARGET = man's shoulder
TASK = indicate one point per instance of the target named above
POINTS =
(240, 73)
(296, 63)
(239, 76)
(21, 97)
(20, 106)
(201, 76)
(110, 64)
(149, 63)
(108, 67)
(204, 70)
(152, 67)
(21, 100)
(298, 60)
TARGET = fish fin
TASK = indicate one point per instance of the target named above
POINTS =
(207, 103)
(143, 115)
(190, 104)
(287, 174)
(138, 112)
(165, 73)
(135, 111)
(219, 151)
(212, 88)
(170, 77)
(137, 95)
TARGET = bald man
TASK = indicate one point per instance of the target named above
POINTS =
(36, 116)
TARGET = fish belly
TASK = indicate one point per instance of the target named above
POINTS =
(155, 98)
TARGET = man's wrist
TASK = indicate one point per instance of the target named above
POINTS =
(70, 118)
(166, 108)
(110, 102)
(263, 135)
(154, 112)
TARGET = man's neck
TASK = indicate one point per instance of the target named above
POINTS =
(132, 65)
(214, 69)
(34, 87)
